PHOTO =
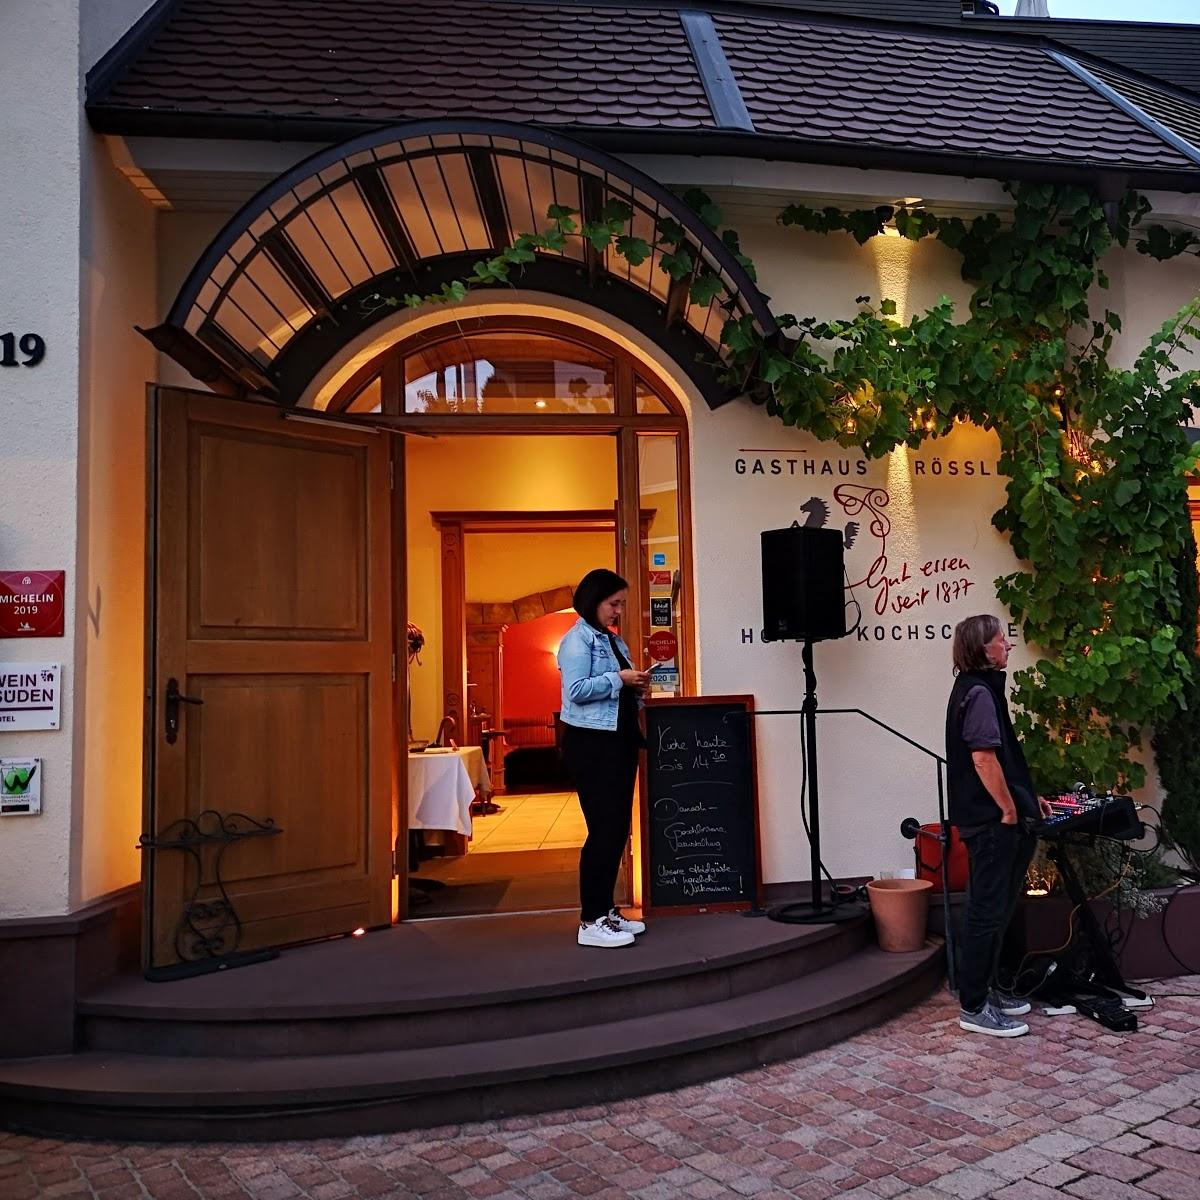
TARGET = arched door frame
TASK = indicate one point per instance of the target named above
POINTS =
(625, 423)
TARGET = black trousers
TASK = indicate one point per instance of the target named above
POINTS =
(604, 767)
(999, 856)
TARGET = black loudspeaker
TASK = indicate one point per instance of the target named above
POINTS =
(803, 584)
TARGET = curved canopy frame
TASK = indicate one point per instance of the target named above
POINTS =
(317, 257)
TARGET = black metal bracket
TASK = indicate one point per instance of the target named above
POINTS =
(209, 929)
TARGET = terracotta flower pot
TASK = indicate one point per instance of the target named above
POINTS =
(900, 908)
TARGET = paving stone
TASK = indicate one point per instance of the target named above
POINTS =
(1171, 1185)
(1094, 1187)
(1112, 1166)
(1055, 1175)
(1024, 1189)
(969, 1183)
(1170, 1133)
(1058, 1146)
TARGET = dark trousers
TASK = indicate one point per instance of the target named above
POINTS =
(999, 856)
(604, 767)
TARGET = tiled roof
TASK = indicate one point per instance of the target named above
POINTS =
(925, 92)
(1177, 113)
(812, 84)
(1168, 52)
(391, 59)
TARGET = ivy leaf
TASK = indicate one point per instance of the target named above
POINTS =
(678, 264)
(1125, 491)
(887, 308)
(598, 234)
(670, 232)
(775, 366)
(704, 287)
(634, 250)
(616, 212)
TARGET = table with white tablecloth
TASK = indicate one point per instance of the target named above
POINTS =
(442, 784)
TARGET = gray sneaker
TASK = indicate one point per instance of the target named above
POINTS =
(1007, 1003)
(992, 1021)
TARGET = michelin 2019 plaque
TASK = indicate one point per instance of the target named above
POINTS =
(31, 603)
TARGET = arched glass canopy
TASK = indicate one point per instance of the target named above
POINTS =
(302, 269)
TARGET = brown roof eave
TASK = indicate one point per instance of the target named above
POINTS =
(131, 122)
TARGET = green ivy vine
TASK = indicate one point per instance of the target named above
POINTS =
(1095, 456)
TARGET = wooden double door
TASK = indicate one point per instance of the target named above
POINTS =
(270, 693)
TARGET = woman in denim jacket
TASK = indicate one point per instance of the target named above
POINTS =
(601, 697)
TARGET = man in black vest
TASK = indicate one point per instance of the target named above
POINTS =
(995, 808)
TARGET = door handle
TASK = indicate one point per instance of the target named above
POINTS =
(174, 698)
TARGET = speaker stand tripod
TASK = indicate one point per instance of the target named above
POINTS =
(817, 910)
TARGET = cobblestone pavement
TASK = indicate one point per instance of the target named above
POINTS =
(913, 1108)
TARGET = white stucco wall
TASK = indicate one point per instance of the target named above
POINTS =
(39, 284)
(58, 268)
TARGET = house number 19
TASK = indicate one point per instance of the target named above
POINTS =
(31, 347)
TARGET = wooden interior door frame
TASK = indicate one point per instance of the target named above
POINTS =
(453, 528)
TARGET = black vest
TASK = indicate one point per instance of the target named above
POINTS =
(970, 802)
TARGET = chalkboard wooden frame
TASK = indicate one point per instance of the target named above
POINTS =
(648, 905)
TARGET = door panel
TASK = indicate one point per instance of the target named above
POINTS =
(272, 608)
(289, 568)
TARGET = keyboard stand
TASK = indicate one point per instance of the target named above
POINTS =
(1103, 995)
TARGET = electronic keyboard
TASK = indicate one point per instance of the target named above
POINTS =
(1110, 816)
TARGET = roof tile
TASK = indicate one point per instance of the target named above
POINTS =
(930, 92)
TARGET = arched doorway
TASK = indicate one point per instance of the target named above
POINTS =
(553, 449)
(280, 590)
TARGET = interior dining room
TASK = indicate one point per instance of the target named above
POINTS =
(489, 592)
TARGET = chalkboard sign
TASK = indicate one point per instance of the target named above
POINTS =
(700, 819)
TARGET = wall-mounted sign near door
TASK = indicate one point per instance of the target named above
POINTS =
(20, 787)
(31, 603)
(30, 696)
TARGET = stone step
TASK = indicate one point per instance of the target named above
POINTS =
(232, 1097)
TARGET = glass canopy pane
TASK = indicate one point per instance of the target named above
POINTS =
(508, 373)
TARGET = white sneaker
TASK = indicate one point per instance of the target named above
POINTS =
(625, 924)
(601, 933)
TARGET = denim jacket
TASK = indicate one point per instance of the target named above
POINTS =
(591, 677)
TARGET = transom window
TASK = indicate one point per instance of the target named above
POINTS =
(508, 373)
(507, 367)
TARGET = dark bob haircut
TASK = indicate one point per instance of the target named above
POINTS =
(970, 639)
(595, 586)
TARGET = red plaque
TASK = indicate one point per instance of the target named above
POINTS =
(660, 578)
(31, 603)
(662, 645)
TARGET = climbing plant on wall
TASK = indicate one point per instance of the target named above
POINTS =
(1095, 456)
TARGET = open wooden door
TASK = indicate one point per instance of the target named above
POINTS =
(271, 683)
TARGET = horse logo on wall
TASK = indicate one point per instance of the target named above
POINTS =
(867, 565)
